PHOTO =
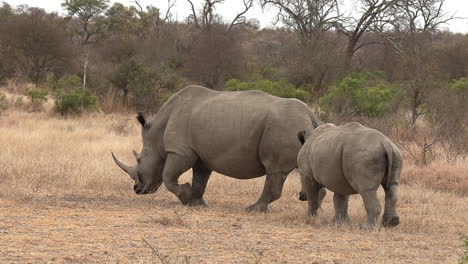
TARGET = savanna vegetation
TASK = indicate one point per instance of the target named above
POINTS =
(68, 83)
(381, 62)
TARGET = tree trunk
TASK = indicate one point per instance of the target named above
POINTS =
(85, 68)
(349, 54)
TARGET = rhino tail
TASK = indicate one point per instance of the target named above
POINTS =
(394, 165)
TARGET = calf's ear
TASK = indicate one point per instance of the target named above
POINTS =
(301, 136)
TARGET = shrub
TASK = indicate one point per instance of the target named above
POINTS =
(165, 97)
(18, 102)
(464, 258)
(38, 97)
(71, 97)
(3, 102)
(460, 85)
(363, 94)
(281, 88)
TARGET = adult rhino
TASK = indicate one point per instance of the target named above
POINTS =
(243, 135)
(350, 159)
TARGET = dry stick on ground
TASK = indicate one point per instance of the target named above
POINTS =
(164, 259)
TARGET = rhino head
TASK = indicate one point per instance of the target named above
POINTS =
(147, 173)
(313, 133)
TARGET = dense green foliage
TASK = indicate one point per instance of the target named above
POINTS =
(37, 97)
(464, 258)
(361, 94)
(460, 85)
(3, 104)
(281, 88)
(70, 97)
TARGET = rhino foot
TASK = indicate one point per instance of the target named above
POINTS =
(391, 221)
(341, 220)
(197, 202)
(185, 194)
(260, 208)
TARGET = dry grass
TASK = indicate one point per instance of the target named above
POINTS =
(62, 200)
(439, 176)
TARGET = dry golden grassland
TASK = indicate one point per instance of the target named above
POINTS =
(63, 200)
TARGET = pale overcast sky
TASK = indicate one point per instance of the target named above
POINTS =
(230, 8)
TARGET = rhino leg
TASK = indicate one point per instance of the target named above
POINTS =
(174, 167)
(271, 192)
(313, 193)
(390, 217)
(340, 203)
(201, 175)
(372, 204)
(322, 194)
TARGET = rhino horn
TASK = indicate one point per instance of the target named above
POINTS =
(136, 154)
(124, 167)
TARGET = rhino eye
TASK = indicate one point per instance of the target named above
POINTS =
(139, 160)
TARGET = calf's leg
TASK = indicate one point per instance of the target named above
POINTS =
(390, 217)
(372, 204)
(340, 203)
(312, 190)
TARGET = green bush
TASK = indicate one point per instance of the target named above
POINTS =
(281, 88)
(38, 97)
(460, 85)
(464, 258)
(361, 94)
(3, 102)
(165, 97)
(70, 97)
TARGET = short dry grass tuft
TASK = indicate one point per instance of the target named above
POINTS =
(439, 176)
(62, 200)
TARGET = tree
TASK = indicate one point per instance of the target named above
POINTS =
(315, 58)
(308, 18)
(36, 41)
(415, 23)
(370, 19)
(214, 58)
(215, 53)
(6, 61)
(206, 18)
(131, 20)
(87, 25)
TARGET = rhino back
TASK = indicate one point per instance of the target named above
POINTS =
(326, 159)
(240, 134)
(357, 154)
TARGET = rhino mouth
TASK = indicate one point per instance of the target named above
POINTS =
(149, 190)
(302, 196)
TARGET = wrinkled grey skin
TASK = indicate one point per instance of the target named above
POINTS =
(350, 159)
(243, 135)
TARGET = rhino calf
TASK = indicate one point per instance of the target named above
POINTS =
(350, 159)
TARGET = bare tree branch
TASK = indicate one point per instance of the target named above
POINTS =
(309, 18)
(139, 6)
(194, 13)
(170, 5)
(247, 4)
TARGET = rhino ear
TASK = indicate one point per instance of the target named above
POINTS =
(301, 136)
(141, 118)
